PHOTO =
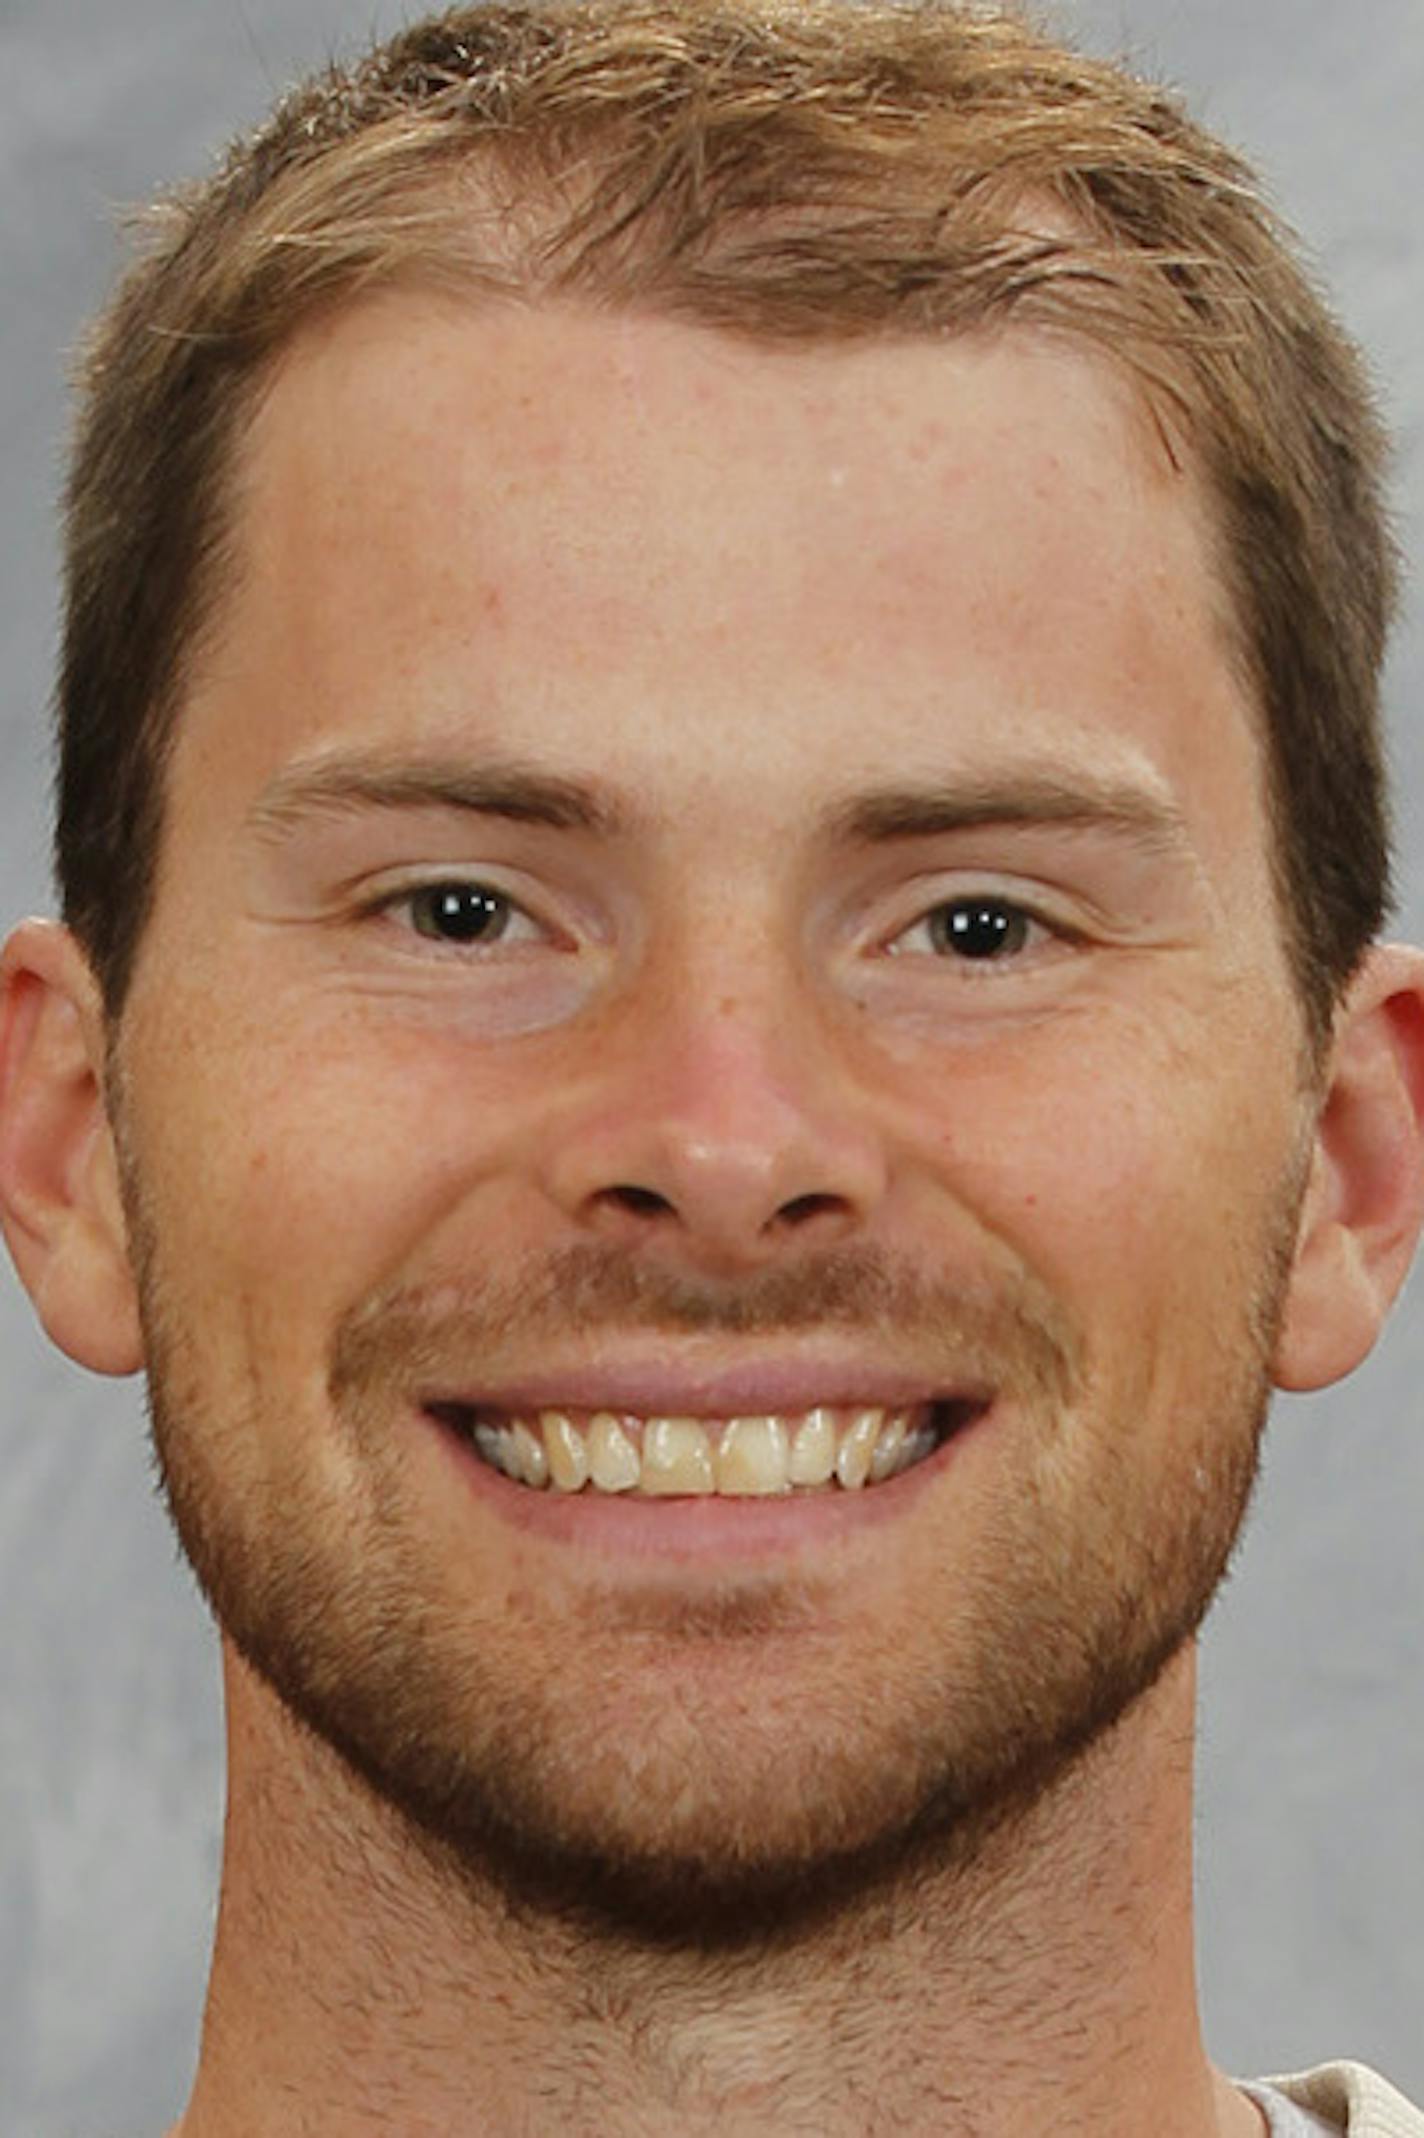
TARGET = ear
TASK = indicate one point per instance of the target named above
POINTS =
(1365, 1198)
(59, 1187)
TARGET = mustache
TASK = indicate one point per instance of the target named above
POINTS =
(1007, 1330)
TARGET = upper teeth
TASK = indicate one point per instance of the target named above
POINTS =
(662, 1456)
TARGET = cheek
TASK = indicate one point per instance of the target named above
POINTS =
(1130, 1171)
(293, 1167)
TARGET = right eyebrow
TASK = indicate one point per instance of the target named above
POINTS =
(355, 781)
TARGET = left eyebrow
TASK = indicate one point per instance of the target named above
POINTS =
(1073, 801)
(356, 781)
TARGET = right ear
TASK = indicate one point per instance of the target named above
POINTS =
(60, 1205)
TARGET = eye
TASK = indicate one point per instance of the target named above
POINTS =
(981, 930)
(458, 911)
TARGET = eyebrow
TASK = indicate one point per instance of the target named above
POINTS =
(1071, 797)
(355, 782)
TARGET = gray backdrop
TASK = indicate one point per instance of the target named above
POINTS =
(1312, 1879)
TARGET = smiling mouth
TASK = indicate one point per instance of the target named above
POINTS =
(830, 1448)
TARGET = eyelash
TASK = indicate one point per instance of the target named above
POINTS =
(1025, 930)
(410, 898)
(1020, 930)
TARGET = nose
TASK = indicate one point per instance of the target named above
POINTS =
(722, 1130)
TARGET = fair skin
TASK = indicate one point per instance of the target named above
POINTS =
(819, 645)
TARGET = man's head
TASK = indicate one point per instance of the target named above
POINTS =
(792, 175)
(709, 883)
(708, 1142)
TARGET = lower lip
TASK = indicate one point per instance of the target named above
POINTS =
(707, 1527)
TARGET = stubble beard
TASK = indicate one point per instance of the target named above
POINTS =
(716, 1826)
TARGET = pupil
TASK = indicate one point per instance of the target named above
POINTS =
(980, 931)
(459, 913)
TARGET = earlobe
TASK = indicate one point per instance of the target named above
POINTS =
(59, 1195)
(1365, 1200)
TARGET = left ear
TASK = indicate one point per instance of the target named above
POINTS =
(1365, 1199)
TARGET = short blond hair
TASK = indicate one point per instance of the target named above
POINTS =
(779, 169)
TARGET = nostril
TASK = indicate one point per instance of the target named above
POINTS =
(802, 1208)
(642, 1202)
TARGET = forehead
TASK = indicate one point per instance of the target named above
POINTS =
(548, 406)
(626, 531)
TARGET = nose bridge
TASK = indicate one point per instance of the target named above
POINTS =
(722, 1111)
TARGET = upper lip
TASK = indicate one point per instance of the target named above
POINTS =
(658, 1389)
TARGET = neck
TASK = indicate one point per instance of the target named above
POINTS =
(1051, 1985)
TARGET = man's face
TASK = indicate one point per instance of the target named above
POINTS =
(709, 883)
